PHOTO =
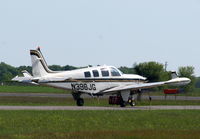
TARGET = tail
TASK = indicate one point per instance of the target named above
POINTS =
(39, 65)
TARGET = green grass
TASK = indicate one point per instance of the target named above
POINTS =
(100, 124)
(30, 89)
(168, 102)
(195, 92)
(47, 101)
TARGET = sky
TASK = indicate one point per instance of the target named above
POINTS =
(97, 32)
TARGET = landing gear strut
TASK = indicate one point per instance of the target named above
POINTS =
(79, 100)
(122, 103)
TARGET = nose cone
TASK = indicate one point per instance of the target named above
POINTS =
(143, 78)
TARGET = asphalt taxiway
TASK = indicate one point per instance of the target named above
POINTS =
(169, 97)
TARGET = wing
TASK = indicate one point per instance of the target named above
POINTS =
(135, 87)
(176, 81)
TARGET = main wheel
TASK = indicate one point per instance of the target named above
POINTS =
(122, 103)
(80, 102)
(131, 102)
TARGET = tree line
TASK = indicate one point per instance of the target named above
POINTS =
(153, 71)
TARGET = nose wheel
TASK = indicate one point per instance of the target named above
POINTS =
(80, 102)
(78, 99)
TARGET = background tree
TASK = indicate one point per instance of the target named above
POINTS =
(127, 70)
(27, 68)
(56, 67)
(197, 84)
(68, 67)
(7, 72)
(62, 68)
(154, 71)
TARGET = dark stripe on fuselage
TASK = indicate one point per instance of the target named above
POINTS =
(99, 80)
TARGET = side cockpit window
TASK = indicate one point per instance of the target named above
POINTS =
(87, 74)
(104, 72)
(95, 73)
(114, 72)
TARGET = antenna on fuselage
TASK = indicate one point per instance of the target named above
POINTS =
(38, 48)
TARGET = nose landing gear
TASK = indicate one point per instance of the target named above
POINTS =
(79, 100)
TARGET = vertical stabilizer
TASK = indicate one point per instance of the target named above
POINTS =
(39, 65)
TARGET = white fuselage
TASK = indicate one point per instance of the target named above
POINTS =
(91, 80)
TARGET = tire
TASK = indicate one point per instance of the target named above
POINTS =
(80, 102)
(131, 102)
(122, 103)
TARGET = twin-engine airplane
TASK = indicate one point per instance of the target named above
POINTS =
(95, 81)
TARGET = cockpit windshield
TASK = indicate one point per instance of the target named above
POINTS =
(114, 72)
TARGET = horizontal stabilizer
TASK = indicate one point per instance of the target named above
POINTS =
(26, 73)
(26, 78)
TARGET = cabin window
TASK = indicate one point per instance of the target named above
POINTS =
(87, 74)
(95, 73)
(114, 72)
(104, 72)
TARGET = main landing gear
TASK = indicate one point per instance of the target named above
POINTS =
(79, 100)
(124, 103)
(118, 100)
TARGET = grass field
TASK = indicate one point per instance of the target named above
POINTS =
(30, 89)
(46, 101)
(149, 124)
(177, 124)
